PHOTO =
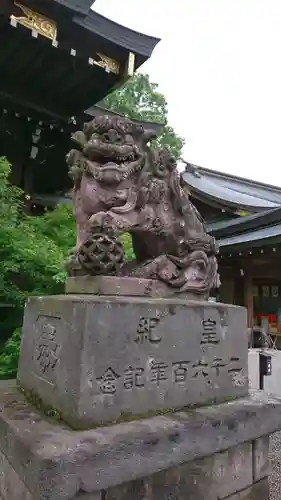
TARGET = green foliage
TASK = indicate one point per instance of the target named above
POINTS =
(30, 259)
(33, 251)
(127, 245)
(140, 99)
(10, 355)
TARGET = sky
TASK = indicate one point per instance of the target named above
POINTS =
(219, 66)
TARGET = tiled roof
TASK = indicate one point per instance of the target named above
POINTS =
(231, 191)
(265, 236)
(250, 231)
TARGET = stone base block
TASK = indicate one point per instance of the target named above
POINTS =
(123, 285)
(98, 359)
(126, 286)
(212, 453)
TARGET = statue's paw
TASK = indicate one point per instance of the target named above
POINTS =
(105, 221)
(72, 265)
(111, 223)
(96, 221)
(168, 271)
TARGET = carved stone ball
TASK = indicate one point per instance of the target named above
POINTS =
(101, 254)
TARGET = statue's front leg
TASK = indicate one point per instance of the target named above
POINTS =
(101, 252)
(109, 222)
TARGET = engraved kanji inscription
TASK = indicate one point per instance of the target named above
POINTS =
(158, 372)
(108, 381)
(205, 369)
(234, 365)
(180, 371)
(235, 371)
(133, 377)
(209, 332)
(217, 364)
(145, 331)
(201, 367)
(47, 347)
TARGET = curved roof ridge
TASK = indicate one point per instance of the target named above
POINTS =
(226, 195)
(217, 173)
(82, 6)
(240, 224)
(231, 190)
(266, 235)
(92, 11)
(111, 30)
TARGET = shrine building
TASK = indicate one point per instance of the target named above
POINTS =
(245, 218)
(58, 59)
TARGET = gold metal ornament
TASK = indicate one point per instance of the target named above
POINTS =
(36, 22)
(108, 63)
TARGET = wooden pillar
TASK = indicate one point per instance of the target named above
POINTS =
(249, 300)
(239, 289)
(16, 177)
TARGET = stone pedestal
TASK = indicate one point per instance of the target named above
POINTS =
(215, 452)
(155, 388)
(100, 359)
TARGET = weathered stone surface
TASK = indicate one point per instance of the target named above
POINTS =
(11, 485)
(121, 285)
(55, 462)
(96, 359)
(90, 496)
(208, 479)
(258, 491)
(122, 187)
(261, 466)
(232, 470)
(180, 483)
(275, 466)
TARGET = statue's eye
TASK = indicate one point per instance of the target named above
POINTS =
(112, 136)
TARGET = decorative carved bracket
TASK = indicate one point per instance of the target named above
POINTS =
(48, 28)
(108, 63)
(36, 22)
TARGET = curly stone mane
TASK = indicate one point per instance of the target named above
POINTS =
(122, 185)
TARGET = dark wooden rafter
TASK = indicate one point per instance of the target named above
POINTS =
(50, 78)
(52, 146)
(70, 61)
(50, 6)
(81, 6)
(30, 108)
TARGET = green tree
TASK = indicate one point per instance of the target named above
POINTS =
(9, 357)
(140, 99)
(33, 251)
(31, 261)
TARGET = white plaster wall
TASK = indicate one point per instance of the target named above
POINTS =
(272, 384)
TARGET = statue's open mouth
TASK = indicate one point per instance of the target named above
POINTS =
(105, 152)
(109, 162)
(114, 162)
(109, 158)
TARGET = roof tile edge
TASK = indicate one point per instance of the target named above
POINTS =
(192, 168)
(120, 35)
(78, 6)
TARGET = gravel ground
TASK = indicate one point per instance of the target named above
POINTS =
(275, 457)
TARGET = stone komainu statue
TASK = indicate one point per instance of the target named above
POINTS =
(122, 185)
